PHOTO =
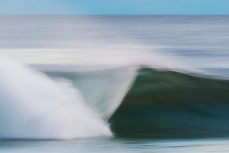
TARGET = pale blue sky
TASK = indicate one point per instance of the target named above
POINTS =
(72, 7)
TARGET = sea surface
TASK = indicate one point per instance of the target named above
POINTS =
(114, 84)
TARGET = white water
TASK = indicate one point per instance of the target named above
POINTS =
(34, 106)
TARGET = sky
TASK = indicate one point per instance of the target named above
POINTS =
(94, 7)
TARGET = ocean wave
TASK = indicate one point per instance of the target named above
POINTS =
(136, 101)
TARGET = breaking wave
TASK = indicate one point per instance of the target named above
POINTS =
(133, 100)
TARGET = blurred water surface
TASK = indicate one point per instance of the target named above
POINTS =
(200, 41)
(117, 146)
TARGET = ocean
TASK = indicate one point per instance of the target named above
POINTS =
(114, 83)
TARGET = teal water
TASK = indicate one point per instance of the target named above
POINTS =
(168, 104)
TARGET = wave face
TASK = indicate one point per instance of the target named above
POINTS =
(169, 104)
(36, 107)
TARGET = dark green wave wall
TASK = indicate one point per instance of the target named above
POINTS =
(168, 104)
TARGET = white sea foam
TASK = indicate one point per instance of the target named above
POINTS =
(34, 106)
